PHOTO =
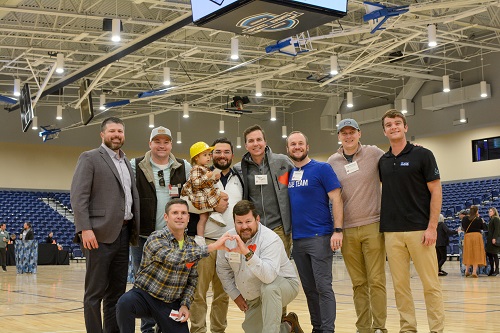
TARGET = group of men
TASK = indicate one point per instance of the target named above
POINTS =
(328, 206)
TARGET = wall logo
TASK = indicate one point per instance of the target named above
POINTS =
(267, 22)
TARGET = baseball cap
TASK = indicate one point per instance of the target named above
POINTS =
(160, 131)
(347, 123)
(198, 147)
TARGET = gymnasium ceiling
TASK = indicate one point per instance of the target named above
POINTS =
(371, 65)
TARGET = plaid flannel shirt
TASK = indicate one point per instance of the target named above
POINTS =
(200, 189)
(168, 272)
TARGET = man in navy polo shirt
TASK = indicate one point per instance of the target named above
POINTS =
(411, 203)
(311, 187)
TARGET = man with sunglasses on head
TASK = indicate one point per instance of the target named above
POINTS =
(159, 178)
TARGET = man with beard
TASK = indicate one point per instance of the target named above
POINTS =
(231, 184)
(314, 185)
(106, 207)
(257, 274)
(159, 177)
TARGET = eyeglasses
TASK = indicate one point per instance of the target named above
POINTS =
(162, 180)
(221, 152)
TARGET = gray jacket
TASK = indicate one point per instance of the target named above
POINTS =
(280, 166)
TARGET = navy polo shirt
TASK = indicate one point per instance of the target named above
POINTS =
(405, 196)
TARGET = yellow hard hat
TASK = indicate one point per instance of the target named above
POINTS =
(199, 147)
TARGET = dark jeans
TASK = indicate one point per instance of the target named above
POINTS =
(105, 282)
(147, 324)
(136, 303)
(441, 256)
(3, 257)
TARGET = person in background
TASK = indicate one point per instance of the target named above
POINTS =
(473, 255)
(12, 239)
(49, 239)
(442, 241)
(492, 247)
(27, 233)
(4, 239)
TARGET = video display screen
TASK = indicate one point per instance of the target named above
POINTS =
(26, 107)
(204, 8)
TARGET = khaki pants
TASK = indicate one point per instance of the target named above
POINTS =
(220, 302)
(363, 250)
(287, 239)
(264, 312)
(401, 247)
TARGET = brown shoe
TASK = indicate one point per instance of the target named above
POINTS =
(293, 320)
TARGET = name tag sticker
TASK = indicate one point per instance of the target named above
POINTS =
(234, 257)
(173, 191)
(297, 175)
(351, 167)
(260, 179)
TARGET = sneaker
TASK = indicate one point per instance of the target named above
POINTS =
(216, 217)
(293, 320)
(442, 273)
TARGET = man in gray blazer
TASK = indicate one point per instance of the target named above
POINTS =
(105, 202)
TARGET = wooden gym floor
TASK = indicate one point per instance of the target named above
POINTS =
(51, 301)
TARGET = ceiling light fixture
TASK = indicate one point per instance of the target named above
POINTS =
(102, 101)
(115, 30)
(431, 35)
(185, 110)
(273, 113)
(283, 131)
(446, 83)
(179, 137)
(338, 119)
(166, 76)
(482, 84)
(404, 106)
(59, 112)
(349, 99)
(238, 142)
(462, 116)
(60, 63)
(258, 88)
(334, 65)
(234, 48)
(221, 126)
(17, 87)
(151, 121)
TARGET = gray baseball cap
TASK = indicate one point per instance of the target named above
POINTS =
(347, 123)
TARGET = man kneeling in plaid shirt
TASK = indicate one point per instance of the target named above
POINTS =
(165, 283)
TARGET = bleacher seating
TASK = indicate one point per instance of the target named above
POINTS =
(461, 195)
(18, 207)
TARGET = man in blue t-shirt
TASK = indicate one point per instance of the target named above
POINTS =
(311, 187)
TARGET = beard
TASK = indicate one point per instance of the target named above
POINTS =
(221, 163)
(299, 158)
(113, 146)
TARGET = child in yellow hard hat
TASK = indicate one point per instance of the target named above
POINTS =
(200, 189)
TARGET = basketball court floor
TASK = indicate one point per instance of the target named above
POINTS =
(51, 301)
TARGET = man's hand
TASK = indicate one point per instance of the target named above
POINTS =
(429, 237)
(220, 244)
(223, 203)
(241, 247)
(183, 313)
(88, 239)
(241, 303)
(336, 241)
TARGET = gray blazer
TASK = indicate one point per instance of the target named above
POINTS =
(98, 199)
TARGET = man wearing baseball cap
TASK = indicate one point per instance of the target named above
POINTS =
(356, 167)
(159, 177)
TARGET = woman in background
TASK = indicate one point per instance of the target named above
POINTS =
(492, 248)
(474, 254)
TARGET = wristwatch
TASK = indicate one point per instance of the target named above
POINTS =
(337, 230)
(248, 255)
